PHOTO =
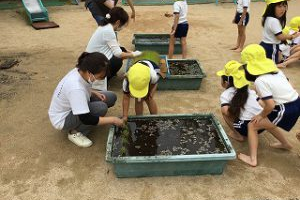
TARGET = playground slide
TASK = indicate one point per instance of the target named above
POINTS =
(35, 10)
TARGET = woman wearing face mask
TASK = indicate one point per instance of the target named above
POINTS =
(104, 40)
(76, 108)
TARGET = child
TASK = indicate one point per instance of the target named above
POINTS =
(141, 83)
(241, 19)
(273, 21)
(293, 49)
(281, 100)
(238, 103)
(180, 27)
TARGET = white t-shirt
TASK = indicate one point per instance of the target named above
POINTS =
(154, 77)
(181, 7)
(277, 87)
(271, 28)
(241, 4)
(297, 39)
(71, 94)
(104, 41)
(251, 107)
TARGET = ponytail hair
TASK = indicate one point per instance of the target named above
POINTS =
(238, 102)
(115, 14)
(93, 62)
(270, 12)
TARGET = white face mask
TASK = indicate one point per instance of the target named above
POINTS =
(119, 29)
(90, 81)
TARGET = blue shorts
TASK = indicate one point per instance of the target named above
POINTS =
(182, 30)
(285, 115)
(238, 17)
(241, 126)
(271, 51)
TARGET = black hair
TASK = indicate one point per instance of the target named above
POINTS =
(117, 13)
(249, 76)
(239, 99)
(93, 62)
(238, 102)
(229, 80)
(270, 12)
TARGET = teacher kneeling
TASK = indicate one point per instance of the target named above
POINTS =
(75, 107)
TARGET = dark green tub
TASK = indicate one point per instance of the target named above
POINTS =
(155, 42)
(171, 165)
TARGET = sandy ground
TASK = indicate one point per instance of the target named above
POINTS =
(38, 162)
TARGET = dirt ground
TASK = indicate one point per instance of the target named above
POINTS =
(37, 162)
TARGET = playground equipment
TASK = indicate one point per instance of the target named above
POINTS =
(35, 10)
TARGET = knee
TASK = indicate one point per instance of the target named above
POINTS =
(111, 99)
(98, 108)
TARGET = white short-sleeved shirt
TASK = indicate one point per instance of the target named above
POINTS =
(271, 28)
(241, 4)
(181, 7)
(297, 39)
(71, 94)
(104, 41)
(251, 107)
(276, 87)
(154, 77)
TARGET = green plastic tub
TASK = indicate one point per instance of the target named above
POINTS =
(155, 42)
(171, 165)
(182, 82)
(164, 2)
(178, 82)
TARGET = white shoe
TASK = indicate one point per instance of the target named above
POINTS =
(79, 139)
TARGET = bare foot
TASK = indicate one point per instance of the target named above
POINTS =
(234, 48)
(238, 50)
(248, 160)
(298, 136)
(281, 65)
(236, 136)
(279, 145)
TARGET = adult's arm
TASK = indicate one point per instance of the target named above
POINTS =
(243, 16)
(176, 19)
(89, 119)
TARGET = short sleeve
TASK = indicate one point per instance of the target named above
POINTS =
(78, 102)
(176, 7)
(275, 26)
(125, 86)
(154, 76)
(225, 99)
(263, 89)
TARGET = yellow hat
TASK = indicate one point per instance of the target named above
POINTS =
(286, 30)
(254, 56)
(232, 68)
(139, 79)
(274, 1)
(295, 23)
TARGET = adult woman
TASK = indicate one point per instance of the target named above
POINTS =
(104, 40)
(75, 108)
(99, 8)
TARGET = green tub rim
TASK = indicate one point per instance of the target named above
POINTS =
(173, 158)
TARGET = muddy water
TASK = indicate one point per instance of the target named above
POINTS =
(184, 67)
(168, 137)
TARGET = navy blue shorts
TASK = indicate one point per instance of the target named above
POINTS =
(241, 126)
(285, 115)
(271, 51)
(182, 30)
(238, 17)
